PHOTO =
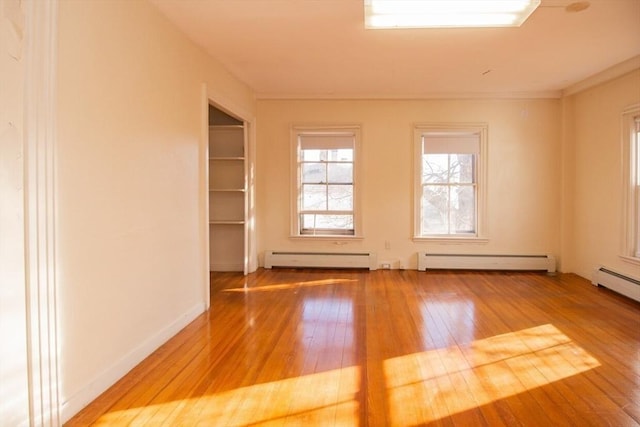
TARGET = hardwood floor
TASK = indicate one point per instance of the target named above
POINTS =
(391, 348)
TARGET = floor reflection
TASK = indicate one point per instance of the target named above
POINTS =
(448, 323)
(325, 398)
(287, 286)
(326, 335)
(446, 381)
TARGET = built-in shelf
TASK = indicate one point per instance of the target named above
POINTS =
(226, 142)
(226, 222)
(227, 196)
(223, 127)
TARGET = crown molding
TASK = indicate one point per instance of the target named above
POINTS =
(550, 94)
(604, 76)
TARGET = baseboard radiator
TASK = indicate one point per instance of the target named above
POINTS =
(321, 259)
(428, 261)
(625, 285)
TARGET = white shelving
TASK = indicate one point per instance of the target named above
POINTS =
(226, 174)
(226, 206)
(227, 197)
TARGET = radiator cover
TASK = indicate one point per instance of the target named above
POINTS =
(620, 283)
(320, 259)
(486, 262)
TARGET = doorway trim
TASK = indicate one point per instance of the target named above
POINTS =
(223, 103)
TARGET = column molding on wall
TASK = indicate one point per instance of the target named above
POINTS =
(39, 163)
(567, 185)
(203, 195)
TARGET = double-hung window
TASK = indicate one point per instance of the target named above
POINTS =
(324, 188)
(450, 164)
(631, 174)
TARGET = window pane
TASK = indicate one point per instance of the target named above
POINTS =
(341, 155)
(340, 197)
(307, 221)
(463, 206)
(435, 168)
(340, 173)
(435, 209)
(314, 197)
(334, 155)
(313, 155)
(326, 222)
(461, 168)
(448, 209)
(448, 168)
(314, 173)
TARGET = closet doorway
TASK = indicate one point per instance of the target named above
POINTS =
(227, 157)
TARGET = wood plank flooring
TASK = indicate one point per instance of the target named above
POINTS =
(391, 348)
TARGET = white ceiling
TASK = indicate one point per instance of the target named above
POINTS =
(320, 49)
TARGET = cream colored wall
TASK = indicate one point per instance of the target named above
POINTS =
(130, 180)
(523, 176)
(597, 162)
(14, 405)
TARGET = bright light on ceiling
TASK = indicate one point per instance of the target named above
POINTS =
(447, 13)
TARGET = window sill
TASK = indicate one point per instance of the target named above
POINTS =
(449, 239)
(630, 259)
(336, 239)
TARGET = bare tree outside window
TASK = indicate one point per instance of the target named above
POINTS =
(447, 181)
(448, 199)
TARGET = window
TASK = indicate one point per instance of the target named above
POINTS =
(449, 192)
(324, 187)
(631, 174)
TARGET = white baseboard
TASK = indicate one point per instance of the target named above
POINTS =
(94, 388)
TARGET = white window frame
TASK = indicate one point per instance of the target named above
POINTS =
(479, 129)
(631, 184)
(296, 132)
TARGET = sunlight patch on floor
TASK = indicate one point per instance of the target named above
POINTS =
(442, 382)
(285, 286)
(305, 400)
